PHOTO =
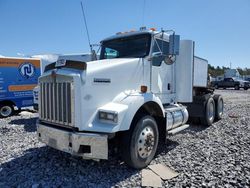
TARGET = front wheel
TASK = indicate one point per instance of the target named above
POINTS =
(6, 110)
(236, 87)
(245, 88)
(139, 144)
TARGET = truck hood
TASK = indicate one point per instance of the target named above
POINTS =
(95, 66)
(104, 81)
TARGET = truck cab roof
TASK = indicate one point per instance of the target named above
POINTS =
(134, 33)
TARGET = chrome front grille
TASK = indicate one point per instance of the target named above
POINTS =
(56, 104)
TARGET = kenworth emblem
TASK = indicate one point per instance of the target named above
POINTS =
(60, 63)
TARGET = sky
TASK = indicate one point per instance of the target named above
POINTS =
(220, 28)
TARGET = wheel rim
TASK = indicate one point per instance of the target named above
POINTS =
(211, 111)
(220, 107)
(5, 111)
(146, 142)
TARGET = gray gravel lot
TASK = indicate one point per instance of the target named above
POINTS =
(215, 156)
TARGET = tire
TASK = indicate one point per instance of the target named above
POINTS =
(236, 87)
(134, 151)
(209, 115)
(219, 106)
(245, 88)
(216, 86)
(6, 110)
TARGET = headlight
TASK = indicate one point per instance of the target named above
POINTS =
(108, 116)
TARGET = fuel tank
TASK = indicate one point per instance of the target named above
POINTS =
(176, 115)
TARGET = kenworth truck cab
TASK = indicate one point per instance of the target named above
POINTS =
(133, 94)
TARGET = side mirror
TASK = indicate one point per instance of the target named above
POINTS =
(93, 55)
(157, 59)
(174, 44)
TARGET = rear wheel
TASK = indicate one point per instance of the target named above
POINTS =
(209, 115)
(219, 106)
(6, 110)
(139, 144)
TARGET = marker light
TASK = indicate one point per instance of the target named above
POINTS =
(143, 28)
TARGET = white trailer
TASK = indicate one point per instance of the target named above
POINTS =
(133, 94)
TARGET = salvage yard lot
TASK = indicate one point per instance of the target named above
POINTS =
(217, 156)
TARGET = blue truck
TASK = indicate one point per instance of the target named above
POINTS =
(18, 77)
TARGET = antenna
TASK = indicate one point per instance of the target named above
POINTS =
(143, 12)
(86, 27)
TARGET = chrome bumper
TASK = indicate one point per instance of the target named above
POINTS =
(86, 145)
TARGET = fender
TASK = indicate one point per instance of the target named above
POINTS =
(126, 104)
(134, 101)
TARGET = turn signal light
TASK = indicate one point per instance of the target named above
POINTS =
(152, 29)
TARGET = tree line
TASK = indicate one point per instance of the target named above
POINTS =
(218, 71)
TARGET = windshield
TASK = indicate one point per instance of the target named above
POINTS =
(133, 46)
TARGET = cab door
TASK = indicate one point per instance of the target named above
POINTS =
(227, 82)
(162, 76)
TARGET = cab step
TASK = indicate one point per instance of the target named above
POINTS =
(178, 129)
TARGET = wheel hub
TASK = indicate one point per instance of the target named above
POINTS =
(5, 111)
(145, 142)
(220, 107)
(211, 111)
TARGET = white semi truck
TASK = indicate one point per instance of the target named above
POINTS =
(143, 88)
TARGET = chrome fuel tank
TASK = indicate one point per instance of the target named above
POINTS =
(176, 115)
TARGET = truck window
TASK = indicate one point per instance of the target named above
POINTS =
(110, 53)
(136, 46)
(161, 46)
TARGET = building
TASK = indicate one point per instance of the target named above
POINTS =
(232, 73)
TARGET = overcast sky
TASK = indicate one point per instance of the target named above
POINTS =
(220, 28)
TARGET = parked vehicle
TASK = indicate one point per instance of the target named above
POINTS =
(134, 94)
(231, 83)
(247, 79)
(18, 77)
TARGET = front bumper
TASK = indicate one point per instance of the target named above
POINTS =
(86, 145)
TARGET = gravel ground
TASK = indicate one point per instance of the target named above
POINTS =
(215, 156)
